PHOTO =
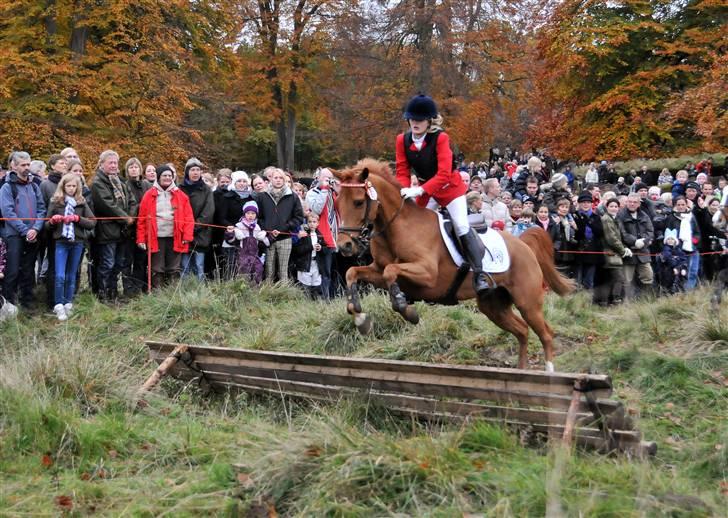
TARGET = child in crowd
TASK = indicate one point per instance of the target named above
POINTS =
(306, 257)
(673, 264)
(249, 234)
(70, 223)
(524, 222)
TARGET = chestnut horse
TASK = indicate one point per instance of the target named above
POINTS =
(411, 261)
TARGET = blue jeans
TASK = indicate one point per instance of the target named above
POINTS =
(113, 260)
(693, 270)
(67, 260)
(194, 262)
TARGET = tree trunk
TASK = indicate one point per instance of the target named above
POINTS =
(423, 80)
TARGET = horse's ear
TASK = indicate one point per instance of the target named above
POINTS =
(364, 174)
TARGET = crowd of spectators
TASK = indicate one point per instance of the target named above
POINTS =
(616, 235)
(148, 225)
(140, 226)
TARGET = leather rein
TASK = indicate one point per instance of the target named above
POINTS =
(363, 235)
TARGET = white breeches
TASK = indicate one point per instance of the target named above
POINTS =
(458, 209)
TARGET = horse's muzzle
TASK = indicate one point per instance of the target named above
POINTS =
(347, 249)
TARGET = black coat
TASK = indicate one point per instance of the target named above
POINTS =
(284, 216)
(231, 207)
(302, 254)
(595, 244)
(203, 209)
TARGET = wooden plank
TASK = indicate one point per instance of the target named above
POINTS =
(241, 375)
(626, 439)
(329, 392)
(595, 381)
(368, 376)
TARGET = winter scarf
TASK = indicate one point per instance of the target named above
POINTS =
(277, 194)
(117, 188)
(68, 230)
(588, 234)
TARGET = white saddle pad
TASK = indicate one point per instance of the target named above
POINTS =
(494, 243)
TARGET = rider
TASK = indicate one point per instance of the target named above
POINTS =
(425, 149)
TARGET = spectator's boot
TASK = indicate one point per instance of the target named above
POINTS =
(157, 280)
(474, 251)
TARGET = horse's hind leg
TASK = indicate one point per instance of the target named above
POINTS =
(502, 315)
(533, 314)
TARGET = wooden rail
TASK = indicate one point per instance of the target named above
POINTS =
(571, 406)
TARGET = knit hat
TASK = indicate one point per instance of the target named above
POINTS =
(526, 199)
(164, 168)
(585, 196)
(238, 175)
(498, 225)
(692, 185)
(670, 233)
(641, 186)
(192, 162)
(558, 179)
(250, 206)
(620, 179)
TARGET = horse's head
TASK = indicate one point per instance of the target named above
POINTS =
(358, 203)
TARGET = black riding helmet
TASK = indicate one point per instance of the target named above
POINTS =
(420, 107)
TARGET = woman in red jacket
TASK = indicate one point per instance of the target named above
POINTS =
(166, 226)
(425, 151)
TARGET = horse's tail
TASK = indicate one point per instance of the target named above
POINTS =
(539, 241)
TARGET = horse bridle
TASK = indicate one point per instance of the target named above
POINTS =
(363, 235)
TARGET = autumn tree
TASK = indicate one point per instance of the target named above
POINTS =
(609, 71)
(95, 74)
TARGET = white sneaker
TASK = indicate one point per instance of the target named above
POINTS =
(60, 312)
(7, 310)
(69, 308)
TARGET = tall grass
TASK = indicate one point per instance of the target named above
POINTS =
(68, 426)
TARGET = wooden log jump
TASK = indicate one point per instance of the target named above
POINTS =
(573, 407)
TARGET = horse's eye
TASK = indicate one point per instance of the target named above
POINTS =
(359, 203)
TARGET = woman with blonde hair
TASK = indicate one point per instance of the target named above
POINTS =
(425, 150)
(70, 224)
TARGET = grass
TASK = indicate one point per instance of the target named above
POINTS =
(71, 441)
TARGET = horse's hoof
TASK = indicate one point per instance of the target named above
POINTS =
(363, 323)
(411, 315)
(549, 367)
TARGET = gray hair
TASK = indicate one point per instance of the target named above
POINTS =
(17, 156)
(105, 155)
(36, 166)
(489, 184)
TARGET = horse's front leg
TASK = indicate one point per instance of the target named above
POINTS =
(355, 274)
(419, 274)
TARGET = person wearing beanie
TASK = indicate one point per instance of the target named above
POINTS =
(203, 211)
(238, 193)
(248, 237)
(673, 264)
(165, 227)
(557, 189)
(589, 236)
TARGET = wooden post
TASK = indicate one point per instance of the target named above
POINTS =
(571, 414)
(162, 370)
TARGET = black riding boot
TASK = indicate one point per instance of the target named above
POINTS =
(474, 251)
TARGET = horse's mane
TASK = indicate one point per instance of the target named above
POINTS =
(377, 168)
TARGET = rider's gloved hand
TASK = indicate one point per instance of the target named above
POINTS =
(411, 192)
